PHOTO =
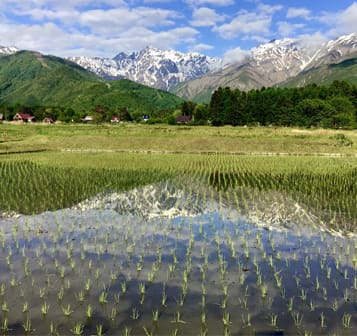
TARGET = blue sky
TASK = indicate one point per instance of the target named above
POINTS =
(219, 28)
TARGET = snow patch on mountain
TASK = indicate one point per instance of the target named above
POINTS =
(8, 50)
(286, 54)
(334, 50)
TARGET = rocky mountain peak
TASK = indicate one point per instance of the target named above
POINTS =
(158, 68)
(334, 50)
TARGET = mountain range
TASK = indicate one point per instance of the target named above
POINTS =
(284, 62)
(192, 76)
(162, 69)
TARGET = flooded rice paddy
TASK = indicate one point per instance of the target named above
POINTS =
(177, 259)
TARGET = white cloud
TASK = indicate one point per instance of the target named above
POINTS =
(49, 38)
(114, 21)
(23, 6)
(64, 15)
(311, 42)
(249, 23)
(235, 55)
(205, 17)
(138, 38)
(342, 22)
(201, 47)
(245, 23)
(287, 29)
(294, 12)
(210, 2)
(268, 9)
(156, 1)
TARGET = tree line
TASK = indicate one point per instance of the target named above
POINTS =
(330, 106)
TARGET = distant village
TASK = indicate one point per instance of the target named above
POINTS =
(29, 118)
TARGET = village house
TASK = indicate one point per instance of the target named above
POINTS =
(183, 119)
(88, 119)
(48, 120)
(1, 117)
(115, 119)
(24, 117)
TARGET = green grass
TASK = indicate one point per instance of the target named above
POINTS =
(178, 139)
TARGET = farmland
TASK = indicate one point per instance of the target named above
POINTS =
(157, 230)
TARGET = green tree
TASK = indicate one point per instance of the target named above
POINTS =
(345, 112)
(124, 114)
(216, 108)
(187, 108)
(201, 114)
(100, 113)
(315, 112)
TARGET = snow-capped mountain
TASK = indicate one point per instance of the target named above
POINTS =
(157, 68)
(8, 50)
(266, 65)
(334, 50)
(270, 64)
(280, 55)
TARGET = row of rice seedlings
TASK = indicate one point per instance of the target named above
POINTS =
(52, 188)
(327, 184)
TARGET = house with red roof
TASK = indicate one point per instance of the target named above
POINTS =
(183, 119)
(24, 117)
(115, 119)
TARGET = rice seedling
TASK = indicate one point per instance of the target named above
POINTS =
(80, 296)
(25, 307)
(135, 314)
(177, 318)
(346, 320)
(155, 315)
(4, 325)
(89, 311)
(27, 326)
(127, 331)
(123, 287)
(45, 307)
(67, 310)
(273, 320)
(113, 314)
(99, 329)
(77, 329)
(322, 320)
(226, 319)
(291, 304)
(103, 298)
(53, 330)
(4, 307)
(297, 317)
